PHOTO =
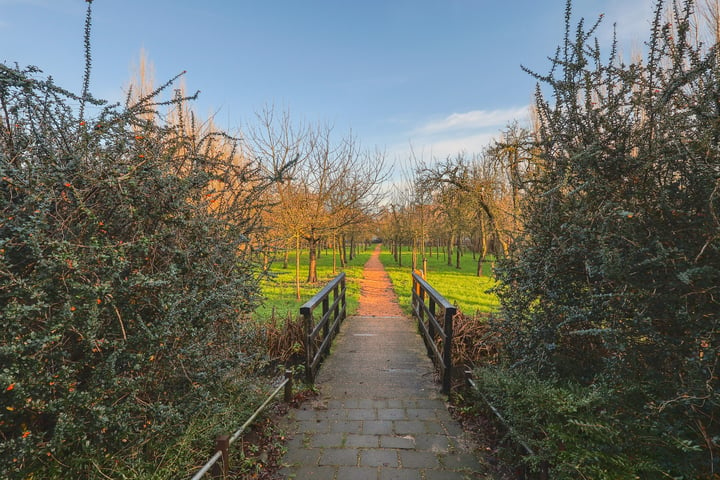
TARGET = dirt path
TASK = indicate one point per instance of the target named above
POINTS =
(377, 298)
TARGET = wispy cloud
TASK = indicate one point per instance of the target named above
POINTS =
(473, 120)
(457, 133)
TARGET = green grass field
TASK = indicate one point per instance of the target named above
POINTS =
(461, 287)
(279, 291)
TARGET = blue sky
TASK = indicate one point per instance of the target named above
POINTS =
(440, 76)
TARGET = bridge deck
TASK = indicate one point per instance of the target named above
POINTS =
(380, 414)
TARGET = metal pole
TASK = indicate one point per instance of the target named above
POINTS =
(288, 386)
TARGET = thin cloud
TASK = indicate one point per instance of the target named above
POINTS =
(473, 120)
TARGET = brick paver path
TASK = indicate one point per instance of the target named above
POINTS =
(379, 414)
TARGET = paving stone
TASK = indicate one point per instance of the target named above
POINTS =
(345, 426)
(357, 473)
(392, 414)
(367, 441)
(400, 474)
(296, 441)
(435, 443)
(305, 414)
(313, 426)
(379, 458)
(395, 441)
(450, 475)
(305, 471)
(301, 456)
(434, 427)
(421, 414)
(361, 414)
(334, 414)
(339, 456)
(333, 440)
(377, 427)
(413, 459)
(410, 427)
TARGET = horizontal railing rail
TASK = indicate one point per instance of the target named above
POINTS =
(319, 337)
(219, 464)
(431, 329)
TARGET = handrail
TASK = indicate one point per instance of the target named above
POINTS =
(329, 324)
(223, 442)
(421, 290)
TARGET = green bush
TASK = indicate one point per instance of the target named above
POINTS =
(613, 283)
(578, 431)
(124, 264)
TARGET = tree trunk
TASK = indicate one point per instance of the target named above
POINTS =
(449, 250)
(312, 264)
(343, 251)
(483, 249)
(399, 257)
(457, 252)
(297, 266)
(352, 247)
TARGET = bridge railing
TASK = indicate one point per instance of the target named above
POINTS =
(319, 336)
(425, 303)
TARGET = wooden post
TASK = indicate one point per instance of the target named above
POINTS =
(222, 466)
(447, 349)
(431, 325)
(343, 302)
(326, 326)
(336, 312)
(309, 350)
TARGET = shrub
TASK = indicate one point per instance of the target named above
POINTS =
(124, 263)
(613, 282)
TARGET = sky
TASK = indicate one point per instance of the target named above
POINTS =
(423, 78)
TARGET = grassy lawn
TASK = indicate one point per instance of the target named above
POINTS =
(461, 287)
(279, 291)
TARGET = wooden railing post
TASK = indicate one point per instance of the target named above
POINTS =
(325, 309)
(431, 326)
(343, 301)
(336, 312)
(222, 466)
(447, 348)
(309, 344)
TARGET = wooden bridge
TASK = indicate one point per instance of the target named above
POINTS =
(381, 410)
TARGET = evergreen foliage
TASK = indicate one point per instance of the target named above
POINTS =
(124, 264)
(613, 284)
